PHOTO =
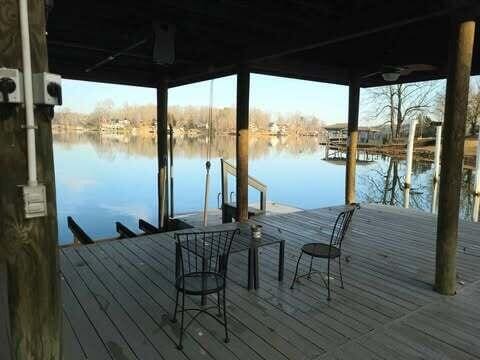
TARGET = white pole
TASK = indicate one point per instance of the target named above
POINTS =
(435, 198)
(28, 92)
(438, 147)
(207, 188)
(408, 175)
(476, 189)
(436, 167)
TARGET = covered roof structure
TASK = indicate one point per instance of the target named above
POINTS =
(114, 41)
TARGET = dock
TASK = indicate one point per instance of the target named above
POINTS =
(118, 296)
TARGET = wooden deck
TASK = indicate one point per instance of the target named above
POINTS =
(118, 296)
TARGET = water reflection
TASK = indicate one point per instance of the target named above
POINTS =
(103, 178)
(108, 145)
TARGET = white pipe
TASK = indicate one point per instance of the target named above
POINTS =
(408, 175)
(207, 188)
(28, 94)
(438, 148)
(435, 197)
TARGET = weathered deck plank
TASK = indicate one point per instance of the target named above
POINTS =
(118, 296)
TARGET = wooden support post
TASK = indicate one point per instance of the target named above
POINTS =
(162, 152)
(243, 98)
(456, 100)
(352, 139)
(29, 247)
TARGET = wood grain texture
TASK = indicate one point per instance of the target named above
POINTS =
(28, 246)
(162, 153)
(243, 98)
(388, 309)
(5, 337)
(352, 140)
(456, 101)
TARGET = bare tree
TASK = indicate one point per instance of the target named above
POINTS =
(400, 103)
(473, 112)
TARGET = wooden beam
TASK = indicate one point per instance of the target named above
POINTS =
(461, 49)
(243, 98)
(162, 153)
(28, 246)
(352, 140)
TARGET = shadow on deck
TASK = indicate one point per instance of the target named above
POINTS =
(118, 296)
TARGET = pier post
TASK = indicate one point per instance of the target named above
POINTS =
(460, 61)
(352, 139)
(28, 247)
(408, 174)
(243, 98)
(162, 152)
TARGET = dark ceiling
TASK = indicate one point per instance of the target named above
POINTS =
(307, 39)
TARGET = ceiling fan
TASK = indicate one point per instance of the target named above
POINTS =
(392, 73)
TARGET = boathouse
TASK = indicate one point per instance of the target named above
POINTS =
(411, 279)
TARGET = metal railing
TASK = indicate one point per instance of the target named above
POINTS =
(229, 169)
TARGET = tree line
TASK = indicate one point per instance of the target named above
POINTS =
(186, 117)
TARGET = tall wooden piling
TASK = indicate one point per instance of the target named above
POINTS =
(352, 140)
(162, 152)
(456, 100)
(28, 247)
(243, 99)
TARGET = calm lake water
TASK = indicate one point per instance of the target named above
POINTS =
(108, 178)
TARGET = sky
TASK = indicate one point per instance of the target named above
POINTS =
(276, 95)
(273, 94)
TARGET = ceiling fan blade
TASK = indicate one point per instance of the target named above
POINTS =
(419, 67)
(371, 75)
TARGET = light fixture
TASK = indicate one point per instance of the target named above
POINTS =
(390, 76)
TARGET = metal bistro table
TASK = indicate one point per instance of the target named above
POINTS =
(245, 242)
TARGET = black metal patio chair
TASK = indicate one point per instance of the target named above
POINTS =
(200, 270)
(329, 251)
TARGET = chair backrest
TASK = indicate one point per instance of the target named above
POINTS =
(199, 252)
(341, 226)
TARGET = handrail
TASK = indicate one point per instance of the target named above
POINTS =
(78, 234)
(232, 170)
(226, 169)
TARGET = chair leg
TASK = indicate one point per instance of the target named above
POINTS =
(174, 319)
(328, 280)
(180, 346)
(310, 269)
(218, 304)
(296, 270)
(340, 269)
(227, 339)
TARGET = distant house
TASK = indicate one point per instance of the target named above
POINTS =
(338, 133)
(276, 129)
(115, 125)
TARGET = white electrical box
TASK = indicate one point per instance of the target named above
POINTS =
(47, 89)
(35, 199)
(11, 80)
